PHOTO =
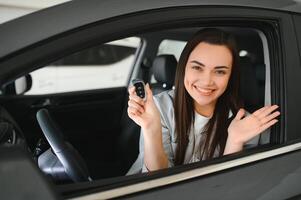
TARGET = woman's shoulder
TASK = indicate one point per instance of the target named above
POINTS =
(164, 98)
(164, 102)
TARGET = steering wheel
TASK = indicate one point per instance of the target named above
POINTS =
(71, 160)
(10, 133)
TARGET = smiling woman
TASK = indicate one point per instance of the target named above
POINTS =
(207, 74)
(200, 110)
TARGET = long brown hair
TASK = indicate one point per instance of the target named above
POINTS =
(216, 129)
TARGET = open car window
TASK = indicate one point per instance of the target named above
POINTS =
(109, 66)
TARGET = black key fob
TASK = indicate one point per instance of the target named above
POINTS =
(140, 88)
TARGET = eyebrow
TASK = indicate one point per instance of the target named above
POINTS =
(202, 65)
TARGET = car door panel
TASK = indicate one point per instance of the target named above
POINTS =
(269, 179)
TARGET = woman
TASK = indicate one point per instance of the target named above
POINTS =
(196, 121)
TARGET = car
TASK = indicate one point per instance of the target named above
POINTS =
(64, 76)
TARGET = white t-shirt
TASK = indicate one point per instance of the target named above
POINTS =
(196, 139)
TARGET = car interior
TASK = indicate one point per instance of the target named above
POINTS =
(90, 130)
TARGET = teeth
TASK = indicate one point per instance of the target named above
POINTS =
(204, 91)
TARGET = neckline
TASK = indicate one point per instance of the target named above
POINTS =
(199, 116)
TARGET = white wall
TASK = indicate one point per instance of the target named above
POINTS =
(9, 13)
(11, 9)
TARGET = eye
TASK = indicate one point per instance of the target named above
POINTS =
(195, 67)
(220, 72)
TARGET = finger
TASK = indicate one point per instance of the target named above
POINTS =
(240, 114)
(135, 105)
(137, 99)
(132, 90)
(270, 117)
(149, 92)
(268, 125)
(131, 114)
(257, 112)
(267, 111)
(134, 111)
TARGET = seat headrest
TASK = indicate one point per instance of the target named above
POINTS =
(164, 69)
(252, 84)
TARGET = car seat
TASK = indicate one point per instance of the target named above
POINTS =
(164, 70)
(252, 91)
(252, 84)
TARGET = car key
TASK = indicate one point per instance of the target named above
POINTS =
(139, 88)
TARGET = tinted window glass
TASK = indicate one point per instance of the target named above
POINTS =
(103, 66)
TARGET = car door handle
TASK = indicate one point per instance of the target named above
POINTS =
(44, 103)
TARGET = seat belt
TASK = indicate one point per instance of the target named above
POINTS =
(145, 70)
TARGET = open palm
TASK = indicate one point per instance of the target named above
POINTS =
(242, 129)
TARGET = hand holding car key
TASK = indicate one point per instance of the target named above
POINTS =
(141, 106)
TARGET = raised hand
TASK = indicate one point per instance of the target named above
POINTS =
(143, 113)
(242, 129)
(146, 115)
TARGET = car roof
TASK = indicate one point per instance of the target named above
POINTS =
(30, 29)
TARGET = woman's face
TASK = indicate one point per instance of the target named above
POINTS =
(207, 74)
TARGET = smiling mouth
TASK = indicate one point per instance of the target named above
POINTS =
(203, 91)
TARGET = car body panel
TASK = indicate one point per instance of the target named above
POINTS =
(49, 44)
(261, 180)
(268, 178)
(44, 24)
(14, 162)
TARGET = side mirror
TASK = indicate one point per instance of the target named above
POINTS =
(17, 87)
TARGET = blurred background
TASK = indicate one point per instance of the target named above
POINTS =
(10, 9)
(100, 66)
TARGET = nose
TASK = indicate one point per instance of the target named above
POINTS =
(207, 79)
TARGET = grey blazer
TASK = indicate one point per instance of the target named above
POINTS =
(164, 102)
